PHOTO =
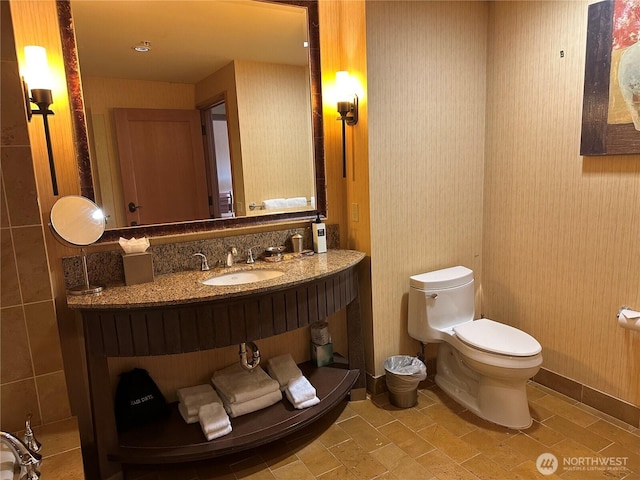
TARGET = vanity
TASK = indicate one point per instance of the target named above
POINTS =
(178, 313)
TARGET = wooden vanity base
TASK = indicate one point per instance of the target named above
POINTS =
(216, 323)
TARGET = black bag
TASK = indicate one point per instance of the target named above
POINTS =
(138, 400)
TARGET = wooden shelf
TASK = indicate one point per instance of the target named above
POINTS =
(172, 440)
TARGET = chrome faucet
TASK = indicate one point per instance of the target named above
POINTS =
(250, 258)
(230, 254)
(26, 458)
(204, 266)
(29, 437)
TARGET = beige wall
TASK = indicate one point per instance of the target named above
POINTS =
(101, 96)
(426, 115)
(561, 231)
(274, 110)
(32, 377)
(344, 49)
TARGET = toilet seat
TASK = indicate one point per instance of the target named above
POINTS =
(497, 338)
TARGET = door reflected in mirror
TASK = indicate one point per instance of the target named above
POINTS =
(251, 100)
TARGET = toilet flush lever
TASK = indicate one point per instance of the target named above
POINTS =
(433, 295)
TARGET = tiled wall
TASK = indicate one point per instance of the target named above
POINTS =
(31, 370)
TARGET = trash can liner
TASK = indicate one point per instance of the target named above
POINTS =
(403, 375)
(407, 366)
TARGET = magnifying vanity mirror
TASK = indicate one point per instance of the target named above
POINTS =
(78, 222)
(261, 132)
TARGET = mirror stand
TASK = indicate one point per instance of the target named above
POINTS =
(86, 288)
(77, 222)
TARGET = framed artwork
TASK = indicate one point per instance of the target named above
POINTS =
(611, 103)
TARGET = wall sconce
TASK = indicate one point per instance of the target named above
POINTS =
(38, 77)
(348, 110)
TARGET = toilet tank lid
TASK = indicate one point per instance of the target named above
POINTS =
(440, 279)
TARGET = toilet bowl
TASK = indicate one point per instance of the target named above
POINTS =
(482, 364)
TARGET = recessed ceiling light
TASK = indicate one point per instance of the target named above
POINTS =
(142, 47)
(305, 44)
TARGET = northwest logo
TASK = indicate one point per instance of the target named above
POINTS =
(547, 464)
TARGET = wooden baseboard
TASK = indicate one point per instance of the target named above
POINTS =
(603, 402)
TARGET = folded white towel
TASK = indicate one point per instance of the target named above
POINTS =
(240, 385)
(308, 403)
(193, 397)
(184, 394)
(184, 412)
(275, 203)
(219, 433)
(283, 369)
(213, 418)
(297, 202)
(242, 408)
(300, 390)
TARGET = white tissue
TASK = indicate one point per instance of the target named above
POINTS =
(629, 319)
(135, 245)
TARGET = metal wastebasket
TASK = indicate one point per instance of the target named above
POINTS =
(403, 374)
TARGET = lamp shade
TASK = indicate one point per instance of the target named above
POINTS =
(344, 87)
(37, 74)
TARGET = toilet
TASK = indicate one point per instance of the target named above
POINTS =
(482, 364)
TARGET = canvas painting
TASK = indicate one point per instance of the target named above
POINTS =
(611, 106)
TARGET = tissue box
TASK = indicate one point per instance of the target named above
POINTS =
(138, 268)
(322, 355)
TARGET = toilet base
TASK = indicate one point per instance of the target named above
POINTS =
(499, 400)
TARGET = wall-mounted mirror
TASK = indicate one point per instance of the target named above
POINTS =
(268, 109)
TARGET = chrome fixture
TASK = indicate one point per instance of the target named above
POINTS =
(29, 438)
(230, 255)
(255, 356)
(204, 266)
(26, 458)
(250, 258)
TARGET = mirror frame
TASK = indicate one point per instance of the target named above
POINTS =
(81, 144)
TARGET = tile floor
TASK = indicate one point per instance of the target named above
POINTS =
(436, 439)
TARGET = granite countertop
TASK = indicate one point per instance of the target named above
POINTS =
(187, 287)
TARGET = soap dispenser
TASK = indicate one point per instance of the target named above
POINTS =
(319, 236)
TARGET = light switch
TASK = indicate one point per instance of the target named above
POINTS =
(355, 212)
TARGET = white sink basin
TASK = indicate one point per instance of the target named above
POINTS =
(9, 466)
(242, 277)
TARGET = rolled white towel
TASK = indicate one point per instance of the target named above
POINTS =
(194, 397)
(307, 404)
(213, 419)
(297, 202)
(283, 369)
(184, 412)
(242, 408)
(240, 385)
(300, 390)
(275, 203)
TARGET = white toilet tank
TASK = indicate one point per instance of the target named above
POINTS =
(438, 301)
